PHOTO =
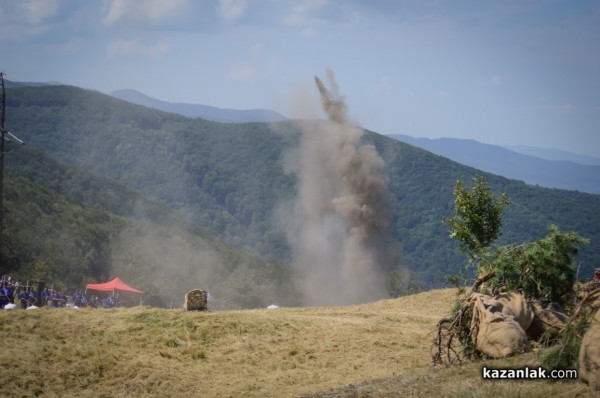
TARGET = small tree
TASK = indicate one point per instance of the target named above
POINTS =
(477, 218)
(41, 270)
(543, 269)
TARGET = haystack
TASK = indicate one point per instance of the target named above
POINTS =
(196, 300)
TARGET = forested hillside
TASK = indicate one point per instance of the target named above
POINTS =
(69, 227)
(229, 178)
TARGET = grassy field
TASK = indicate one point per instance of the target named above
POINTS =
(378, 349)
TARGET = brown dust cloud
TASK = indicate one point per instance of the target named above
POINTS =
(338, 219)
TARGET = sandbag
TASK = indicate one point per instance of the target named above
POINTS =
(590, 292)
(196, 300)
(498, 334)
(589, 354)
(549, 321)
(515, 304)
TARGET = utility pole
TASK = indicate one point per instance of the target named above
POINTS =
(2, 137)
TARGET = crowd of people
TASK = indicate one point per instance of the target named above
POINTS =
(26, 295)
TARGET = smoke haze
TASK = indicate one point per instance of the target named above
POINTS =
(337, 219)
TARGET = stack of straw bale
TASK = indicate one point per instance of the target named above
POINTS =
(196, 300)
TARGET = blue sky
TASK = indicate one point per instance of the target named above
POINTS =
(523, 72)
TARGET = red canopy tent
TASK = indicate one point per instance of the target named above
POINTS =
(116, 285)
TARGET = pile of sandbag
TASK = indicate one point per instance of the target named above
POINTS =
(499, 326)
(547, 321)
(588, 292)
(498, 330)
(502, 325)
(589, 354)
(196, 300)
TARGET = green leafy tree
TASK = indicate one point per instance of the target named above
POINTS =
(41, 271)
(543, 270)
(477, 218)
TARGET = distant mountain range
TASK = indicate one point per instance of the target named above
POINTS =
(554, 154)
(190, 110)
(571, 172)
(550, 168)
(203, 111)
(229, 180)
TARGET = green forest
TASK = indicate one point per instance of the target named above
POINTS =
(104, 187)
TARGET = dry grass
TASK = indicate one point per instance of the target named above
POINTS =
(263, 353)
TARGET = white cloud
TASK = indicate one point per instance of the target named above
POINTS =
(38, 11)
(231, 9)
(22, 19)
(302, 16)
(307, 6)
(146, 10)
(134, 46)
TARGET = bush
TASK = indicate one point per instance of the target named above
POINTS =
(543, 270)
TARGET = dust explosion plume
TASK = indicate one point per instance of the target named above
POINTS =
(338, 217)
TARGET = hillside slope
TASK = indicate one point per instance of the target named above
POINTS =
(230, 179)
(68, 227)
(382, 348)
